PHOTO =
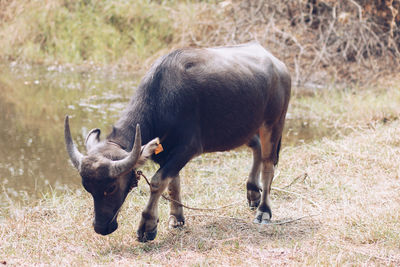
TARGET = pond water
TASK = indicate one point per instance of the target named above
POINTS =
(33, 105)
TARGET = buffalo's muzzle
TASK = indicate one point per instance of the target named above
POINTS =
(105, 229)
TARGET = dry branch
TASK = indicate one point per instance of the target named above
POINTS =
(320, 40)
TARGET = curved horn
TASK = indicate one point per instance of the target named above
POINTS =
(74, 154)
(125, 165)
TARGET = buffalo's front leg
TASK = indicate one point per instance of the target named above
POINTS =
(167, 174)
(148, 223)
(176, 218)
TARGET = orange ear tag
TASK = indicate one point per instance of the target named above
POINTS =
(159, 149)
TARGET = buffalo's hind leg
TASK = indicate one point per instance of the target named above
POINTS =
(270, 138)
(253, 182)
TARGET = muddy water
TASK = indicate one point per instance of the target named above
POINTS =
(33, 104)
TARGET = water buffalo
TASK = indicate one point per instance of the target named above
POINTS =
(196, 101)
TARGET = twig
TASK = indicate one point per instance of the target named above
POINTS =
(359, 9)
(291, 220)
(7, 196)
(299, 195)
(304, 175)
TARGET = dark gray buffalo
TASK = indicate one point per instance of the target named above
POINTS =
(195, 101)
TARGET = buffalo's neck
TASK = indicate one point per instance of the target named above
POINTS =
(123, 132)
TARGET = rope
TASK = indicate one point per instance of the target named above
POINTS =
(140, 173)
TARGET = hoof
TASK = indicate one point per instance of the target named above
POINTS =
(174, 222)
(146, 236)
(262, 218)
(253, 195)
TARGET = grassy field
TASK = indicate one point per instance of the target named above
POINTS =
(341, 192)
(336, 198)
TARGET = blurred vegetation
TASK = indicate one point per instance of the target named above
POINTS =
(322, 41)
(71, 31)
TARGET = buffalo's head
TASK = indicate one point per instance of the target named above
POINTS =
(108, 173)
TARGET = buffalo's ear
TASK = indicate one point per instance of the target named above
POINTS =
(92, 139)
(147, 150)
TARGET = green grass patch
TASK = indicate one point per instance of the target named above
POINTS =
(84, 31)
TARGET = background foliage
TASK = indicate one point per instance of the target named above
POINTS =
(320, 40)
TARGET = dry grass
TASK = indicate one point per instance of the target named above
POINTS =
(349, 109)
(350, 185)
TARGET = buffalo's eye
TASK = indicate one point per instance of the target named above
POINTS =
(110, 190)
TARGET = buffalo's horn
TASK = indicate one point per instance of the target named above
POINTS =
(125, 165)
(74, 154)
